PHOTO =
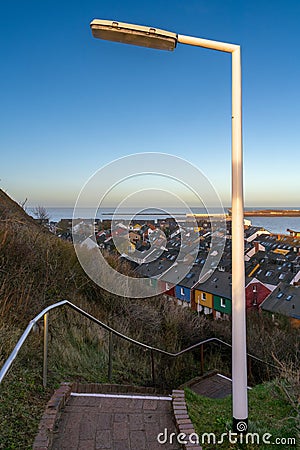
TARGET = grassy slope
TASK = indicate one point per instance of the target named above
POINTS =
(34, 268)
(10, 209)
(269, 412)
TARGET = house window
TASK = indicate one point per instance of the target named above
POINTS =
(269, 273)
(181, 291)
(289, 297)
(255, 288)
(203, 296)
(223, 303)
(279, 295)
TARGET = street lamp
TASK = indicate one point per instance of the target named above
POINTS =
(164, 40)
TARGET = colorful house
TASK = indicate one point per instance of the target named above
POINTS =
(170, 291)
(214, 295)
(202, 301)
(222, 307)
(183, 293)
(256, 292)
(167, 288)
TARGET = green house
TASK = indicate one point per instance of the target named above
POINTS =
(222, 305)
(218, 289)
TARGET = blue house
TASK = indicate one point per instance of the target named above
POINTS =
(183, 293)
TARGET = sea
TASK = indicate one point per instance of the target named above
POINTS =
(272, 224)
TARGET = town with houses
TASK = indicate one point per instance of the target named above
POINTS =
(272, 263)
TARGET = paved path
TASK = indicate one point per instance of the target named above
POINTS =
(114, 423)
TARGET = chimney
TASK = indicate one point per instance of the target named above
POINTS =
(256, 246)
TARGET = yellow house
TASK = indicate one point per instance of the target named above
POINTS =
(203, 298)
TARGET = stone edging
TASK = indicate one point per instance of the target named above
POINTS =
(44, 438)
(182, 419)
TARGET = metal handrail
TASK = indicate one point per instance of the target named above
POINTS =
(112, 331)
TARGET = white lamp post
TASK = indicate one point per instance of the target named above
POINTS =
(164, 40)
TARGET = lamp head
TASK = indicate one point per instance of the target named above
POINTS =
(133, 34)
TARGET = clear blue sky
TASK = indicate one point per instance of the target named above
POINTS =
(71, 103)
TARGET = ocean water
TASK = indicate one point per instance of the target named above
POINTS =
(272, 224)
(106, 213)
(277, 224)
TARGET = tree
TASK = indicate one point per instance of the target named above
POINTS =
(41, 214)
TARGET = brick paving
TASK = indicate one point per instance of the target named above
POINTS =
(109, 423)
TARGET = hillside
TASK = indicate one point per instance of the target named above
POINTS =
(10, 210)
(35, 265)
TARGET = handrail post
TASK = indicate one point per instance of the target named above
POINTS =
(45, 359)
(152, 367)
(202, 359)
(110, 351)
(249, 368)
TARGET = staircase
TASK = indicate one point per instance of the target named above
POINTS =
(212, 385)
(113, 417)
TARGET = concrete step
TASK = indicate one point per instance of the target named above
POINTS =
(211, 385)
(119, 388)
